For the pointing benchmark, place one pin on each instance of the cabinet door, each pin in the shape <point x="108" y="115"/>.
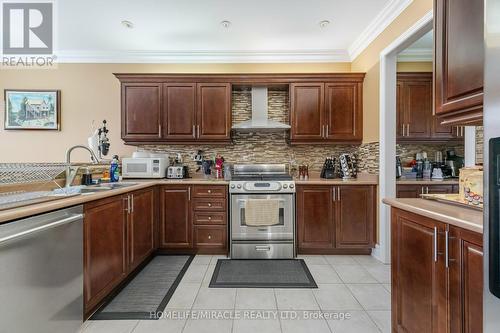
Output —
<point x="466" y="281"/>
<point x="307" y="117"/>
<point x="315" y="217"/>
<point x="141" y="115"/>
<point x="459" y="58"/>
<point x="408" y="191"/>
<point x="141" y="226"/>
<point x="179" y="111"/>
<point x="355" y="227"/>
<point x="105" y="262"/>
<point x="418" y="109"/>
<point x="176" y="217"/>
<point x="214" y="111"/>
<point x="418" y="274"/>
<point x="344" y="112"/>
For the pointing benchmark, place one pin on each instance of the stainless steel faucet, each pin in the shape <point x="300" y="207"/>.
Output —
<point x="72" y="170"/>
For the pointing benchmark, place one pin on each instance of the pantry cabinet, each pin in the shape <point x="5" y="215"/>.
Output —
<point x="437" y="279"/>
<point x="326" y="222"/>
<point x="415" y="119"/>
<point x="326" y="112"/>
<point x="459" y="61"/>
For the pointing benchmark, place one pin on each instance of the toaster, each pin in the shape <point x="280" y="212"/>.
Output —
<point x="176" y="172"/>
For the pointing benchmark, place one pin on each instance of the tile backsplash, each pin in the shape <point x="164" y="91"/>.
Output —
<point x="261" y="147"/>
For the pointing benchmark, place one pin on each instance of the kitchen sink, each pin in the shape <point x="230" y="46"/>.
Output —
<point x="103" y="187"/>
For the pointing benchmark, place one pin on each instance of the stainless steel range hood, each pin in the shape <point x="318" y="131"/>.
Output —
<point x="260" y="121"/>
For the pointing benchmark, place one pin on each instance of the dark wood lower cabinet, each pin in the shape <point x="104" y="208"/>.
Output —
<point x="414" y="191"/>
<point x="105" y="248"/>
<point x="434" y="288"/>
<point x="327" y="222"/>
<point x="176" y="217"/>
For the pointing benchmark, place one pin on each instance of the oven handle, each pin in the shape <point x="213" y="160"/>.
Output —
<point x="262" y="248"/>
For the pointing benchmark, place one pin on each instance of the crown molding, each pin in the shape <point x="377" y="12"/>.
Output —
<point x="289" y="56"/>
<point x="392" y="10"/>
<point x="415" y="55"/>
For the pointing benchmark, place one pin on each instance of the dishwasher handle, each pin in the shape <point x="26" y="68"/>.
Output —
<point x="41" y="228"/>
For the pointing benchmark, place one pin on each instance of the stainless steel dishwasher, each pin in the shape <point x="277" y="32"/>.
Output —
<point x="41" y="273"/>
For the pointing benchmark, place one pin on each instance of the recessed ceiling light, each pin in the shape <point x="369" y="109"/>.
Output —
<point x="127" y="24"/>
<point x="323" y="24"/>
<point x="225" y="24"/>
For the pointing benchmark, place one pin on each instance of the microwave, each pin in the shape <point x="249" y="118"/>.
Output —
<point x="144" y="167"/>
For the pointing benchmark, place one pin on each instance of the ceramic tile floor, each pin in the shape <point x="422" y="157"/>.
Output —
<point x="355" y="287"/>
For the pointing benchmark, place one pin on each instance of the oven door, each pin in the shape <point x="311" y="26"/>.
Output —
<point x="284" y="230"/>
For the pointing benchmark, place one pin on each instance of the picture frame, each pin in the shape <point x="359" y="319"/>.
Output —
<point x="32" y="109"/>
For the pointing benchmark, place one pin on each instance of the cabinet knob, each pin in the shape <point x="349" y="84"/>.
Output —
<point x="209" y="205"/>
<point x="209" y="237"/>
<point x="210" y="217"/>
<point x="209" y="191"/>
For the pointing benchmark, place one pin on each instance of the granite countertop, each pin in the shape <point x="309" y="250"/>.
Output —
<point x="463" y="217"/>
<point x="420" y="181"/>
<point x="362" y="179"/>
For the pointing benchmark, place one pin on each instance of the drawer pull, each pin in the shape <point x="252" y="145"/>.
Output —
<point x="262" y="248"/>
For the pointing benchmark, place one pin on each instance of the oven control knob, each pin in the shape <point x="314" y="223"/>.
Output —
<point x="285" y="186"/>
<point x="292" y="186"/>
<point x="238" y="186"/>
<point x="232" y="186"/>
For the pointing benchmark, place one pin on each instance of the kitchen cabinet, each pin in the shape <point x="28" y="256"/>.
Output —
<point x="194" y="218"/>
<point x="326" y="222"/>
<point x="326" y="112"/>
<point x="415" y="119"/>
<point x="141" y="111"/>
<point x="459" y="61"/>
<point x="175" y="201"/>
<point x="355" y="227"/>
<point x="179" y="111"/>
<point x="213" y="111"/>
<point x="141" y="226"/>
<point x="105" y="248"/>
<point x="437" y="276"/>
<point x="414" y="191"/>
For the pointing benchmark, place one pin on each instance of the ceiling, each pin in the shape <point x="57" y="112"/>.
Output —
<point x="190" y="30"/>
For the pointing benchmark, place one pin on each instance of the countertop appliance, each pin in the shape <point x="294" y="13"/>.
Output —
<point x="41" y="273"/>
<point x="144" y="167"/>
<point x="399" y="167"/>
<point x="175" y="172"/>
<point x="262" y="212"/>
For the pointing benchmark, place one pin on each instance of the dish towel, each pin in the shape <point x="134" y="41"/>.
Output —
<point x="262" y="212"/>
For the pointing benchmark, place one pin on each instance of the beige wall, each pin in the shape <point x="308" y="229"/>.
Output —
<point x="415" y="66"/>
<point x="91" y="92"/>
<point x="368" y="61"/>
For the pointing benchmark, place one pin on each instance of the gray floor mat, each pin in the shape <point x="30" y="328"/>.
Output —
<point x="288" y="273"/>
<point x="149" y="291"/>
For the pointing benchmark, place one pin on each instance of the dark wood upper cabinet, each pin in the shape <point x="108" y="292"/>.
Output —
<point x="459" y="61"/>
<point x="141" y="111"/>
<point x="175" y="213"/>
<point x="355" y="227"/>
<point x="214" y="111"/>
<point x="418" y="277"/>
<point x="326" y="112"/>
<point x="307" y="116"/>
<point x="415" y="119"/>
<point x="315" y="228"/>
<point x="344" y="114"/>
<point x="105" y="248"/>
<point x="179" y="111"/>
<point x="141" y="226"/>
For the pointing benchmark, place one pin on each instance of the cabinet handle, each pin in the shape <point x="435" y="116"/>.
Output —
<point x="132" y="203"/>
<point x="422" y="190"/>
<point x="198" y="131"/>
<point x="333" y="194"/>
<point x="194" y="131"/>
<point x="403" y="129"/>
<point x="189" y="193"/>
<point x="128" y="204"/>
<point x="338" y="193"/>
<point x="326" y="132"/>
<point x="159" y="130"/>
<point x="463" y="130"/>
<point x="427" y="189"/>
<point x="435" y="244"/>
<point x="447" y="249"/>
<point x="407" y="129"/>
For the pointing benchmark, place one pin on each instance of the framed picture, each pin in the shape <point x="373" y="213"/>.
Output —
<point x="32" y="109"/>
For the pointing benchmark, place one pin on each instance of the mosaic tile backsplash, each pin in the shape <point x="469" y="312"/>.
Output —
<point x="261" y="147"/>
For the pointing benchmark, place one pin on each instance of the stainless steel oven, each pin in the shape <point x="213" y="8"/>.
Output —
<point x="262" y="212"/>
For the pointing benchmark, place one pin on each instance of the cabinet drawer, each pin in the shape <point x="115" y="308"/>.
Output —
<point x="209" y="204"/>
<point x="210" y="236"/>
<point x="209" y="218"/>
<point x="209" y="191"/>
